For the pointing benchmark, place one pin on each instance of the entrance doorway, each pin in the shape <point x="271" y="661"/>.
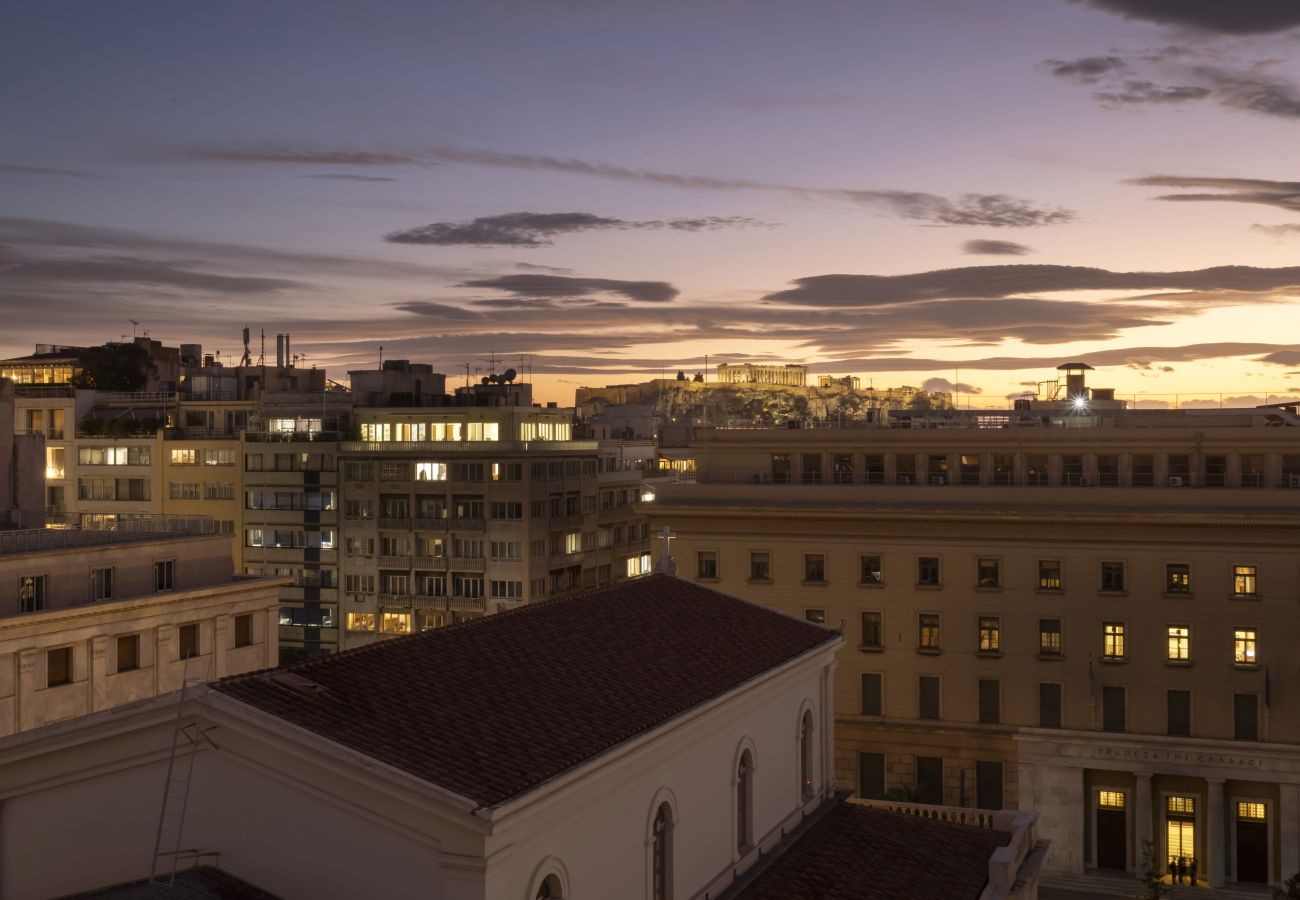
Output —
<point x="1252" y="842"/>
<point x="1180" y="838"/>
<point x="1112" y="830"/>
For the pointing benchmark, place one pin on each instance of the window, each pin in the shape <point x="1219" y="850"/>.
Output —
<point x="706" y="564"/>
<point x="990" y="634"/>
<point x="1049" y="574"/>
<point x="1112" y="576"/>
<point x="101" y="584"/>
<point x="1112" y="709"/>
<point x="987" y="573"/>
<point x="1243" y="647"/>
<point x="1178" y="578"/>
<point x="188" y="640"/>
<point x="871" y="776"/>
<point x="1049" y="705"/>
<point x="1179" y="643"/>
<point x="872" y="572"/>
<point x="1110" y="799"/>
<point x="872" y="700"/>
<point x="164" y="572"/>
<point x="781" y="468"/>
<point x="244" y="630"/>
<point x="872" y="630"/>
<point x="182" y="457"/>
<point x="927" y="570"/>
<point x="511" y="590"/>
<point x="506" y="509"/>
<point x="928" y="631"/>
<point x="1112" y="640"/>
<point x="661" y="854"/>
<point x="814" y="568"/>
<point x="1245" y="717"/>
<point x="1244" y="581"/>
<point x="760" y="566"/>
<point x="988" y="785"/>
<point x="815" y="615"/>
<point x="744" y="802"/>
<point x="31" y="592"/>
<point x="990" y="701"/>
<point x="1251" y="811"/>
<point x="128" y="652"/>
<point x="360" y="621"/>
<point x="1178" y="713"/>
<point x="928" y="697"/>
<point x="218" y="457"/>
<point x="1049" y="637"/>
<point x="58" y="666"/>
<point x="806" y="756"/>
<point x="929" y="779"/>
<point x="395" y="623"/>
<point x="188" y="490"/>
<point x="429" y="471"/>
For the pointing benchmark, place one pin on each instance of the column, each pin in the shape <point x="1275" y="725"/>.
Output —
<point x="1288" y="822"/>
<point x="1142" y="821"/>
<point x="1215" y="845"/>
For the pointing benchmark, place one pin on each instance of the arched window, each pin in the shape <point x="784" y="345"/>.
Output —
<point x="661" y="854"/>
<point x="806" y="756"/>
<point x="550" y="889"/>
<point x="745" y="802"/>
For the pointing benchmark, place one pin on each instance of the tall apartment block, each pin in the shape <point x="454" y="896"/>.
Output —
<point x="1068" y="606"/>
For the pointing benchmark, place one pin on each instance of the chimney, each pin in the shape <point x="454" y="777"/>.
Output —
<point x="279" y="351"/>
<point x="288" y="357"/>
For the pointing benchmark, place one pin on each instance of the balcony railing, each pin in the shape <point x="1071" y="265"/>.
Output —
<point x="87" y="529"/>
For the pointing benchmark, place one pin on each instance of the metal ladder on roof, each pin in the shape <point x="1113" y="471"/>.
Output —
<point x="186" y="738"/>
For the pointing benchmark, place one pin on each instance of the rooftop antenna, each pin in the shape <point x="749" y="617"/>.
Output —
<point x="247" y="358"/>
<point x="261" y="355"/>
<point x="134" y="323"/>
<point x="467" y="376"/>
<point x="381" y="357"/>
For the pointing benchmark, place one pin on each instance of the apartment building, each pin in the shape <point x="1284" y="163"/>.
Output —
<point x="93" y="618"/>
<point x="1076" y="608"/>
<point x="452" y="512"/>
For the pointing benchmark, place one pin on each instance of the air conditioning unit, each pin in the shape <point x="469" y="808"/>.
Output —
<point x="938" y="479"/>
<point x="1293" y="481"/>
<point x="904" y="479"/>
<point x="1175" y="481"/>
<point x="1085" y="481"/>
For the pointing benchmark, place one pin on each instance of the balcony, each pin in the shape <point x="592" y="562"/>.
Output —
<point x="395" y="524"/>
<point x="462" y="447"/>
<point x="429" y="524"/>
<point x="394" y="601"/>
<point x="467" y="604"/>
<point x="429" y="563"/>
<point x="464" y="564"/>
<point x="467" y="525"/>
<point x="394" y="562"/>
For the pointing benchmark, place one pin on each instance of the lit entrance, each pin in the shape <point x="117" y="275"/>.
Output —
<point x="1112" y="830"/>
<point x="1180" y="838"/>
<point x="1252" y="842"/>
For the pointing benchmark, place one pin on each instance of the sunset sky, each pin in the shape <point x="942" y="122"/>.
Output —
<point x="913" y="191"/>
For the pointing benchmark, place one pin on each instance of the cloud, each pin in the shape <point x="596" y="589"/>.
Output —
<point x="995" y="248"/>
<point x="1278" y="231"/>
<point x="943" y="385"/>
<point x="558" y="286"/>
<point x="534" y="267"/>
<point x="1224" y="16"/>
<point x="1086" y="70"/>
<point x="9" y="169"/>
<point x="1253" y="90"/>
<point x="1141" y="92"/>
<point x="1282" y="358"/>
<point x="527" y="229"/>
<point x="1002" y="282"/>
<point x="989" y="210"/>
<point x="348" y="176"/>
<point x="1280" y="194"/>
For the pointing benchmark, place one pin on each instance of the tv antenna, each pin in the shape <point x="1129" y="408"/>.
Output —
<point x="134" y="324"/>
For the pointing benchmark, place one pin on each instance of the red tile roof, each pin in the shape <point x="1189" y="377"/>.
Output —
<point x="857" y="852"/>
<point x="494" y="707"/>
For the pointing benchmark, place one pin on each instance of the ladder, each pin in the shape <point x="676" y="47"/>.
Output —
<point x="176" y="789"/>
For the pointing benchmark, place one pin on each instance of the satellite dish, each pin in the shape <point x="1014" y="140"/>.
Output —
<point x="485" y="380"/>
<point x="509" y="375"/>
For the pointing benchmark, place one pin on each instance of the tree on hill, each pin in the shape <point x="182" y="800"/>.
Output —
<point x="115" y="367"/>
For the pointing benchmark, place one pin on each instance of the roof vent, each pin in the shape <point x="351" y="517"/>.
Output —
<point x="296" y="682"/>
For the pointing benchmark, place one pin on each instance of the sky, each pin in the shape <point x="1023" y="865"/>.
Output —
<point x="955" y="194"/>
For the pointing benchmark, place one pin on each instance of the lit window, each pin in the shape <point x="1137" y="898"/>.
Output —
<point x="990" y="634"/>
<point x="1110" y="799"/>
<point x="1180" y="640"/>
<point x="1178" y="578"/>
<point x="430" y="471"/>
<point x="1112" y="640"/>
<point x="1251" y="811"/>
<point x="1243" y="646"/>
<point x="1181" y="805"/>
<point x="396" y="623"/>
<point x="1049" y="637"/>
<point x="1244" y="581"/>
<point x="361" y="621"/>
<point x="928" y="625"/>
